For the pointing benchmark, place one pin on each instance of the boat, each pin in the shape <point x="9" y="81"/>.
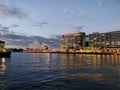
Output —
<point x="3" y="51"/>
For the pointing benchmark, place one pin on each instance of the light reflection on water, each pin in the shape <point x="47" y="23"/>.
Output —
<point x="102" y="68"/>
<point x="2" y="71"/>
<point x="95" y="61"/>
<point x="2" y="65"/>
<point x="29" y="71"/>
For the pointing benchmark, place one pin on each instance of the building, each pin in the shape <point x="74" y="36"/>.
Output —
<point x="73" y="41"/>
<point x="76" y="41"/>
<point x="94" y="39"/>
<point x="109" y="39"/>
<point x="115" y="38"/>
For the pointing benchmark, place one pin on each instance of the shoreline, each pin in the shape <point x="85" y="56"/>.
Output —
<point x="101" y="53"/>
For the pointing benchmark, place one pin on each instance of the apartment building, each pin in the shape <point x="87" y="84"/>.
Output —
<point x="109" y="39"/>
<point x="73" y="41"/>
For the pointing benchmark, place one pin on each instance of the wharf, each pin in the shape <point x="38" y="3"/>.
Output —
<point x="61" y="52"/>
<point x="82" y="53"/>
<point x="101" y="51"/>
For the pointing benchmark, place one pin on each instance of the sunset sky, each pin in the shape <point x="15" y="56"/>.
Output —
<point x="55" y="17"/>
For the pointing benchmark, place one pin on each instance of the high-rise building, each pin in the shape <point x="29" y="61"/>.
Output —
<point x="115" y="38"/>
<point x="73" y="41"/>
<point x="109" y="39"/>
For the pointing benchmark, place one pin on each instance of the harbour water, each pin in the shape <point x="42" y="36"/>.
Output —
<point x="44" y="71"/>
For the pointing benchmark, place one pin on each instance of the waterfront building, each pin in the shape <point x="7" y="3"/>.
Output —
<point x="94" y="39"/>
<point x="115" y="38"/>
<point x="73" y="41"/>
<point x="108" y="40"/>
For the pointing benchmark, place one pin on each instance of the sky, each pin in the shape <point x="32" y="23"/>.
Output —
<point x="47" y="18"/>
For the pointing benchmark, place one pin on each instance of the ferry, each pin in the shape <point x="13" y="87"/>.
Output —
<point x="3" y="51"/>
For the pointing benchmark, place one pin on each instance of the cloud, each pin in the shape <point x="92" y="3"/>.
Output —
<point x="18" y="40"/>
<point x="14" y="25"/>
<point x="53" y="36"/>
<point x="77" y="28"/>
<point x="98" y="2"/>
<point x="0" y="25"/>
<point x="7" y="9"/>
<point x="40" y="24"/>
<point x="4" y="29"/>
<point x="14" y="39"/>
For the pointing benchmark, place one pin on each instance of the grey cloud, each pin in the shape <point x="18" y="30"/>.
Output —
<point x="41" y="24"/>
<point x="23" y="40"/>
<point x="14" y="25"/>
<point x="77" y="28"/>
<point x="0" y="25"/>
<point x="53" y="36"/>
<point x="7" y="9"/>
<point x="12" y="38"/>
<point x="3" y="29"/>
<point x="15" y="39"/>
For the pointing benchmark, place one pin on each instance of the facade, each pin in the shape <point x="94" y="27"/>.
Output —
<point x="72" y="41"/>
<point x="115" y="38"/>
<point x="109" y="39"/>
<point x="94" y="39"/>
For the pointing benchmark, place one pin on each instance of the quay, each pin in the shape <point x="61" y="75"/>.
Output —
<point x="81" y="53"/>
<point x="105" y="51"/>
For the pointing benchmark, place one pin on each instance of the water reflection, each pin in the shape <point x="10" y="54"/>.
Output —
<point x="100" y="68"/>
<point x="2" y="65"/>
<point x="46" y="71"/>
<point x="94" y="61"/>
<point x="2" y="72"/>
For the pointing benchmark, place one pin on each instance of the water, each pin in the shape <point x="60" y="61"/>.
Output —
<point x="35" y="71"/>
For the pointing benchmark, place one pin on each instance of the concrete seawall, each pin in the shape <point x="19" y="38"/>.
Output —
<point x="115" y="51"/>
<point x="111" y="50"/>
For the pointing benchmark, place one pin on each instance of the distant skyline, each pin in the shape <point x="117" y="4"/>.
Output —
<point x="56" y="17"/>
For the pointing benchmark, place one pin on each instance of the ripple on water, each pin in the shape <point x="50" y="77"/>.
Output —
<point x="34" y="71"/>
